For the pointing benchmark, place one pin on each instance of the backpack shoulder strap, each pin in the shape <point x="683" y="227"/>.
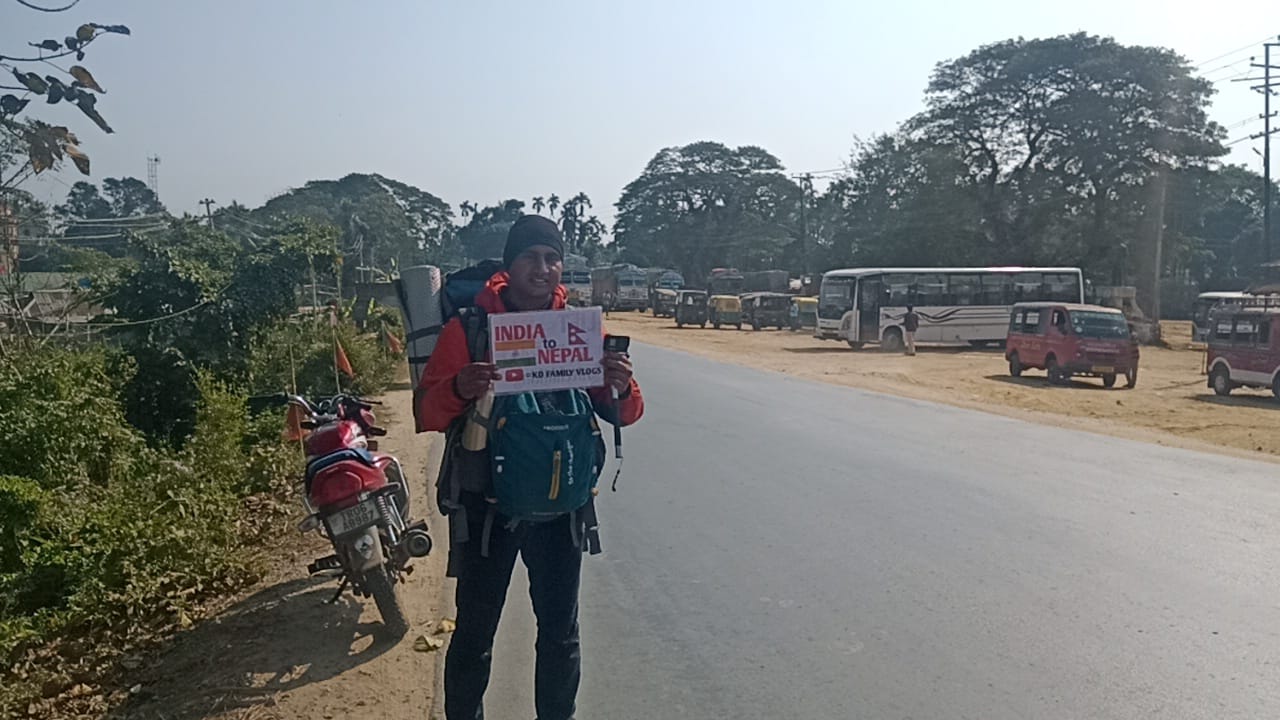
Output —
<point x="475" y="324"/>
<point x="449" y="487"/>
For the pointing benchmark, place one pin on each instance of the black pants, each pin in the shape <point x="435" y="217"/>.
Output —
<point x="554" y="563"/>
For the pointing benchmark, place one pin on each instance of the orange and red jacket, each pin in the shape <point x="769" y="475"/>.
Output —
<point x="438" y="401"/>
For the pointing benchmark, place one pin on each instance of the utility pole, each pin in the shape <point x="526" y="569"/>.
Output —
<point x="1266" y="88"/>
<point x="208" y="209"/>
<point x="806" y="189"/>
<point x="1266" y="149"/>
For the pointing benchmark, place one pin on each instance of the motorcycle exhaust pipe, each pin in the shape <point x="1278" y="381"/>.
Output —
<point x="417" y="542"/>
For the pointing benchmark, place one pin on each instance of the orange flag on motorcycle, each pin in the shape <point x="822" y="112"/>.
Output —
<point x="293" y="425"/>
<point x="393" y="344"/>
<point x="340" y="360"/>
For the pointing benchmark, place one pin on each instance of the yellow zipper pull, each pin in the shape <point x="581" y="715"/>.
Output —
<point x="555" y="476"/>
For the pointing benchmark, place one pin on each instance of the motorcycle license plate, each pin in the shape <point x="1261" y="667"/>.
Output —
<point x="353" y="518"/>
<point x="1104" y="369"/>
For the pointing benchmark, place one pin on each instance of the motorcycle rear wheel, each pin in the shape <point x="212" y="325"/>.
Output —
<point x="386" y="596"/>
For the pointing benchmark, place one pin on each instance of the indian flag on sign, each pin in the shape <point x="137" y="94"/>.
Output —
<point x="512" y="345"/>
<point x="504" y="363"/>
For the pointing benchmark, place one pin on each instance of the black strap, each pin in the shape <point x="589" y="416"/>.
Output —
<point x="591" y="525"/>
<point x="474" y="324"/>
<point x="488" y="531"/>
<point x="423" y="332"/>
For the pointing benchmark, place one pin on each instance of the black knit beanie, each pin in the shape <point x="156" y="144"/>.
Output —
<point x="528" y="231"/>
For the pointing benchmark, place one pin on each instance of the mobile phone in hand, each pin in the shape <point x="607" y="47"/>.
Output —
<point x="616" y="343"/>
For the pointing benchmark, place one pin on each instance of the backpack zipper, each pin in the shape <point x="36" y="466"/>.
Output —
<point x="555" y="476"/>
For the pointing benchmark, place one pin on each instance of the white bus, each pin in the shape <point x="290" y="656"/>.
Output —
<point x="1209" y="301"/>
<point x="955" y="305"/>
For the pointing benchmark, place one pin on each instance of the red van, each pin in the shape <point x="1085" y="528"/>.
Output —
<point x="1243" y="351"/>
<point x="1065" y="340"/>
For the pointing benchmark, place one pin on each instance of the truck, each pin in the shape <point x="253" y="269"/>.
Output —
<point x="725" y="281"/>
<point x="663" y="278"/>
<point x="773" y="281"/>
<point x="620" y="287"/>
<point x="663" y="285"/>
<point x="576" y="278"/>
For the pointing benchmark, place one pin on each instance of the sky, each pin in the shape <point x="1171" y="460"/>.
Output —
<point x="483" y="100"/>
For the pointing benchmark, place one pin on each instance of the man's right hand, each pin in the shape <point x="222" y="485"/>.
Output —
<point x="475" y="380"/>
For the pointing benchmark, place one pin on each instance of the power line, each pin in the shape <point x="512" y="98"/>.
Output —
<point x="131" y="218"/>
<point x="1228" y="66"/>
<point x="247" y="221"/>
<point x="170" y="316"/>
<point x="1238" y="77"/>
<point x="90" y="238"/>
<point x="49" y="10"/>
<point x="1250" y="46"/>
<point x="1242" y="123"/>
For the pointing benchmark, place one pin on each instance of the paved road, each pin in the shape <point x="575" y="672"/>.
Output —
<point x="782" y="549"/>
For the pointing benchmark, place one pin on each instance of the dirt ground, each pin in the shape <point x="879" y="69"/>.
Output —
<point x="1171" y="405"/>
<point x="282" y="652"/>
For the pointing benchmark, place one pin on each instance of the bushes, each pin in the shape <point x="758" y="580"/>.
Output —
<point x="59" y="418"/>
<point x="303" y="348"/>
<point x="105" y="537"/>
<point x="133" y="484"/>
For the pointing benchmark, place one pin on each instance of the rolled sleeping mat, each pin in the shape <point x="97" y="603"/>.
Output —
<point x="419" y="289"/>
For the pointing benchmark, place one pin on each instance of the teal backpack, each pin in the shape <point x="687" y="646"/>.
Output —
<point x="543" y="458"/>
<point x="546" y="452"/>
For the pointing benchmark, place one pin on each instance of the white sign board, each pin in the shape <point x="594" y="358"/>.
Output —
<point x="548" y="350"/>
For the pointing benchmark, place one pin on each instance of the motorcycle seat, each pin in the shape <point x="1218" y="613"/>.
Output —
<point x="346" y="454"/>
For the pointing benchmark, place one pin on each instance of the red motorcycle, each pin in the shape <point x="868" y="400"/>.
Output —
<point x="358" y="499"/>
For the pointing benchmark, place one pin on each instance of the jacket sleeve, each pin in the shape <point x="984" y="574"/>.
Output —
<point x="629" y="409"/>
<point x="438" y="401"/>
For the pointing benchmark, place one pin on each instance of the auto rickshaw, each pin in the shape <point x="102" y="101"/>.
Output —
<point x="804" y="313"/>
<point x="691" y="308"/>
<point x="725" y="310"/>
<point x="664" y="302"/>
<point x="766" y="309"/>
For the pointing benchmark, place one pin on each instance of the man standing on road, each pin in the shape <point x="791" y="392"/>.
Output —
<point x="552" y="550"/>
<point x="910" y="324"/>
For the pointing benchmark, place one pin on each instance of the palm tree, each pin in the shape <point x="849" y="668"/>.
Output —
<point x="553" y="202"/>
<point x="467" y="209"/>
<point x="539" y="204"/>
<point x="581" y="199"/>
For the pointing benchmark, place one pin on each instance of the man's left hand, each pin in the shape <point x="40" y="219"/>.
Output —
<point x="617" y="371"/>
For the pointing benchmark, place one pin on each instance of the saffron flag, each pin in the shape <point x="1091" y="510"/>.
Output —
<point x="292" y="424"/>
<point x="340" y="360"/>
<point x="393" y="344"/>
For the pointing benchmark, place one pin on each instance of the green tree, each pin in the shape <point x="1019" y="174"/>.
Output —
<point x="84" y="202"/>
<point x="1052" y="129"/>
<point x="126" y="199"/>
<point x="485" y="233"/>
<point x="703" y="205"/>
<point x="383" y="224"/>
<point x="582" y="235"/>
<point x="130" y="197"/>
<point x="900" y="206"/>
